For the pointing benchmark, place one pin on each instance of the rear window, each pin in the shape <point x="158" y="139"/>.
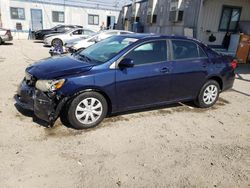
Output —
<point x="183" y="49"/>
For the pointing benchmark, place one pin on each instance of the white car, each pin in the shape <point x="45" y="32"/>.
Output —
<point x="84" y="43"/>
<point x="61" y="39"/>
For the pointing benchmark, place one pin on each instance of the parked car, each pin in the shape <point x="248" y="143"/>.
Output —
<point x="71" y="34"/>
<point x="84" y="43"/>
<point x="122" y="73"/>
<point x="5" y="35"/>
<point x="39" y="35"/>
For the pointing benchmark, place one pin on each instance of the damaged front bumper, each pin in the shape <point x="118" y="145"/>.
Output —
<point x="45" y="106"/>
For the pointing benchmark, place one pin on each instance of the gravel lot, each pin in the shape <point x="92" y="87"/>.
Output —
<point x="175" y="146"/>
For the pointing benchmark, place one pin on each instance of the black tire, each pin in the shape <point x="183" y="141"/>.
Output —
<point x="71" y="115"/>
<point x="56" y="41"/>
<point x="1" y="41"/>
<point x="201" y="101"/>
<point x="64" y="115"/>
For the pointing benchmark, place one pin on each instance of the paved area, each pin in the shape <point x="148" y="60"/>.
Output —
<point x="175" y="146"/>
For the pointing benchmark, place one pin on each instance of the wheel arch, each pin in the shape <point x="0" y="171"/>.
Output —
<point x="104" y="94"/>
<point x="217" y="79"/>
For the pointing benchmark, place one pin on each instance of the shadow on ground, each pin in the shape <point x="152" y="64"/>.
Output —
<point x="6" y="44"/>
<point x="162" y="110"/>
<point x="29" y="113"/>
<point x="38" y="41"/>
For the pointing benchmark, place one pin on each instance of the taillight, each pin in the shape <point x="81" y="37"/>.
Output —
<point x="234" y="64"/>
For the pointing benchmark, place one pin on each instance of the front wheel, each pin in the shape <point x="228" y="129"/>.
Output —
<point x="87" y="110"/>
<point x="208" y="95"/>
<point x="56" y="42"/>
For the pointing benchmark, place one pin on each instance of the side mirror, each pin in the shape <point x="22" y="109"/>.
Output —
<point x="126" y="63"/>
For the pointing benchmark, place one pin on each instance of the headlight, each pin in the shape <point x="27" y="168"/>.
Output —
<point x="49" y="85"/>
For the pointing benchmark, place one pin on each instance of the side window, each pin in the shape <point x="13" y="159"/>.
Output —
<point x="183" y="49"/>
<point x="77" y="32"/>
<point x="201" y="53"/>
<point x="151" y="52"/>
<point x="62" y="29"/>
<point x="87" y="32"/>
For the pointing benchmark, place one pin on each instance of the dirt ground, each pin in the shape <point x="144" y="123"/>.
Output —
<point x="175" y="146"/>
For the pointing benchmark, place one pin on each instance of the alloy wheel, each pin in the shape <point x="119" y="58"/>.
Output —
<point x="89" y="110"/>
<point x="210" y="94"/>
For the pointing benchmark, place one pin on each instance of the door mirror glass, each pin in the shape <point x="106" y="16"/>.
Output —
<point x="126" y="63"/>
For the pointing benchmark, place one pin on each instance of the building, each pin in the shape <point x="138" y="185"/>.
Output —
<point x="23" y="15"/>
<point x="206" y="20"/>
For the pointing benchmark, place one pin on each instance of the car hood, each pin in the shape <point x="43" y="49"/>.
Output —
<point x="58" y="66"/>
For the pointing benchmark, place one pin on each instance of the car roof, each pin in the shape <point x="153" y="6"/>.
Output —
<point x="116" y="30"/>
<point x="154" y="36"/>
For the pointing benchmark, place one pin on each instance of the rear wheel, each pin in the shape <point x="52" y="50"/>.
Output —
<point x="208" y="95"/>
<point x="87" y="110"/>
<point x="57" y="42"/>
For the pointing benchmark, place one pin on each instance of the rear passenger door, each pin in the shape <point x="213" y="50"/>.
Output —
<point x="189" y="69"/>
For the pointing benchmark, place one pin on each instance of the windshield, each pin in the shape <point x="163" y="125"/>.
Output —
<point x="107" y="49"/>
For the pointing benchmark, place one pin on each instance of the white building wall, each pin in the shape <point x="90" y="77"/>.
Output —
<point x="72" y="15"/>
<point x="211" y="14"/>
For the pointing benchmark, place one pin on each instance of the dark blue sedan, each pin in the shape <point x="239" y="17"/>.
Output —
<point x="124" y="73"/>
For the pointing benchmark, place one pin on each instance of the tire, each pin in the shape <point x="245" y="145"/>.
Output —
<point x="56" y="41"/>
<point x="1" y="41"/>
<point x="208" y="94"/>
<point x="87" y="110"/>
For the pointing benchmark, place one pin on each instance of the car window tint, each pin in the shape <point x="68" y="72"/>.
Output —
<point x="87" y="32"/>
<point x="62" y="29"/>
<point x="202" y="53"/>
<point x="77" y="32"/>
<point x="149" y="53"/>
<point x="183" y="49"/>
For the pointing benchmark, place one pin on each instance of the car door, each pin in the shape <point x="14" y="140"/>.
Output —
<point x="148" y="81"/>
<point x="189" y="69"/>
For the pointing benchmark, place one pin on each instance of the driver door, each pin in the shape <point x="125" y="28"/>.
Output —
<point x="148" y="81"/>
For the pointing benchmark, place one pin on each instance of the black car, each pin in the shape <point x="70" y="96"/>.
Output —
<point x="39" y="35"/>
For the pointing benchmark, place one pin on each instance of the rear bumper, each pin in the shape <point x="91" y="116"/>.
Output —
<point x="6" y="38"/>
<point x="46" y="42"/>
<point x="38" y="36"/>
<point x="44" y="107"/>
<point x="229" y="81"/>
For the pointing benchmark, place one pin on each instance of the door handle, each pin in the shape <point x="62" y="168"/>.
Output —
<point x="164" y="70"/>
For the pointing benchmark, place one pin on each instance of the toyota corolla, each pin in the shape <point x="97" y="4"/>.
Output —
<point x="124" y="73"/>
